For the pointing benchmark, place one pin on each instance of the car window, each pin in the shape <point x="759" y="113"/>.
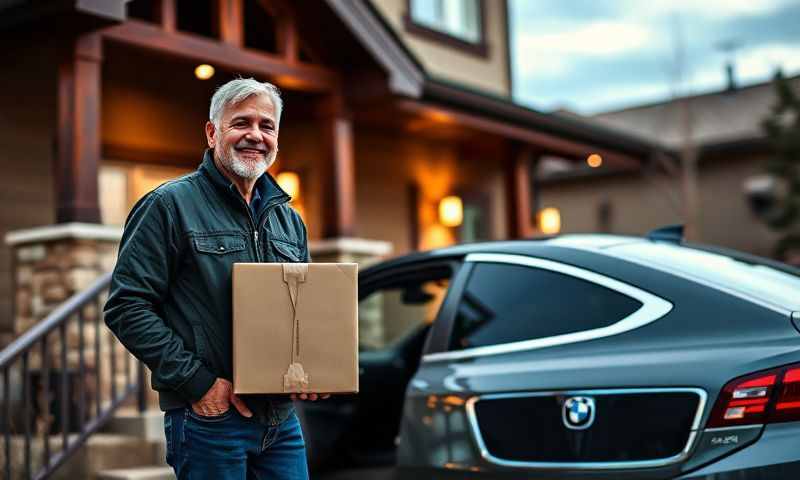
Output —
<point x="757" y="279"/>
<point x="505" y="303"/>
<point x="389" y="313"/>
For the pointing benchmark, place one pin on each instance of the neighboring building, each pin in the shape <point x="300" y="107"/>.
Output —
<point x="391" y="105"/>
<point x="732" y="151"/>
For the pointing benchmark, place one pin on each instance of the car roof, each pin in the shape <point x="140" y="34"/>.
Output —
<point x="730" y="270"/>
<point x="529" y="246"/>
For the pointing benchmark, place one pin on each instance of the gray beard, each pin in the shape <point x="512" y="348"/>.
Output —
<point x="247" y="170"/>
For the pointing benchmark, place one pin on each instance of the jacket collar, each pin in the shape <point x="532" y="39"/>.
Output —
<point x="266" y="184"/>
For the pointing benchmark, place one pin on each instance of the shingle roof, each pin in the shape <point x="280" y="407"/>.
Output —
<point x="718" y="117"/>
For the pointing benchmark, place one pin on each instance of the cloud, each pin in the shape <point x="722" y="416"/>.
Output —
<point x="716" y="9"/>
<point x="602" y="54"/>
<point x="555" y="52"/>
<point x="752" y="65"/>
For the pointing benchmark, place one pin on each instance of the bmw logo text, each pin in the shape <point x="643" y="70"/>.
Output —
<point x="578" y="413"/>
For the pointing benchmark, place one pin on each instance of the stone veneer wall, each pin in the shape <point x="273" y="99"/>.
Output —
<point x="46" y="273"/>
<point x="49" y="265"/>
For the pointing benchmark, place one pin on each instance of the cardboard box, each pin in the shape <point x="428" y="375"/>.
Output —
<point x="295" y="327"/>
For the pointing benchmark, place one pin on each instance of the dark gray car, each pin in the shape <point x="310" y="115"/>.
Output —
<point x="608" y="357"/>
<point x="584" y="356"/>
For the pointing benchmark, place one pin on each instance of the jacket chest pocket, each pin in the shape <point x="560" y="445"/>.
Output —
<point x="285" y="251"/>
<point x="219" y="243"/>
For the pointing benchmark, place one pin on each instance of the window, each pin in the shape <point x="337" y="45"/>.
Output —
<point x="459" y="19"/>
<point x="390" y="313"/>
<point x="750" y="275"/>
<point x="122" y="184"/>
<point x="505" y="303"/>
<point x="476" y="224"/>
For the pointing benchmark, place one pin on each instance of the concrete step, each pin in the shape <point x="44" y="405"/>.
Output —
<point x="102" y="451"/>
<point x="141" y="473"/>
<point x="106" y="451"/>
<point x="147" y="425"/>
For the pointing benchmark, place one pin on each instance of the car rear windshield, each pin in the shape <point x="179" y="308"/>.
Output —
<point x="750" y="275"/>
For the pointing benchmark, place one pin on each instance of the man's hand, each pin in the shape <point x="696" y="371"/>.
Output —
<point x="218" y="400"/>
<point x="311" y="396"/>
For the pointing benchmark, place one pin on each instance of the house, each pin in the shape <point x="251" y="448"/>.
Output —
<point x="398" y="134"/>
<point x="726" y="134"/>
<point x="391" y="106"/>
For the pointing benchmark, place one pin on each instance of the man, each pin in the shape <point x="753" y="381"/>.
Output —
<point x="170" y="297"/>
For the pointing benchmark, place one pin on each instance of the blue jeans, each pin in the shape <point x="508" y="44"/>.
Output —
<point x="231" y="446"/>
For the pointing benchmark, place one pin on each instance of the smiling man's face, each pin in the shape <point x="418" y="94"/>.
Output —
<point x="246" y="142"/>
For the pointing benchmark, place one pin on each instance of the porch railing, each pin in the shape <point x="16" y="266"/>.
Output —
<point x="57" y="390"/>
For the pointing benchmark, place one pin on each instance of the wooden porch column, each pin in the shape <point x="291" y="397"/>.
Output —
<point x="166" y="14"/>
<point x="338" y="177"/>
<point x="520" y="218"/>
<point x="230" y="19"/>
<point x="79" y="131"/>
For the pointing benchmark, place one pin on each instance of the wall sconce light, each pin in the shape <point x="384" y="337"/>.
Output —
<point x="594" y="160"/>
<point x="549" y="221"/>
<point x="290" y="183"/>
<point x="451" y="211"/>
<point x="204" y="71"/>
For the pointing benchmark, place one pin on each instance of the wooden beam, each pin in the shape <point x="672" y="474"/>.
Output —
<point x="230" y="18"/>
<point x="520" y="223"/>
<point x="291" y="76"/>
<point x="338" y="179"/>
<point x="126" y="153"/>
<point x="79" y="131"/>
<point x="166" y="14"/>
<point x="288" y="40"/>
<point x="289" y="18"/>
<point x="537" y="139"/>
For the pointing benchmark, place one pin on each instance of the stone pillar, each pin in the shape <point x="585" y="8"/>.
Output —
<point x="49" y="265"/>
<point x="54" y="262"/>
<point x="345" y="249"/>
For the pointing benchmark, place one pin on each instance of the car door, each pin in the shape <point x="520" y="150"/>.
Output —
<point x="396" y="308"/>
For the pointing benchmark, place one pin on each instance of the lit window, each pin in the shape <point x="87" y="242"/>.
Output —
<point x="122" y="184"/>
<point x="459" y="18"/>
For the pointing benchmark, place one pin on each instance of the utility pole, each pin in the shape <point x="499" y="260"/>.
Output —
<point x="688" y="150"/>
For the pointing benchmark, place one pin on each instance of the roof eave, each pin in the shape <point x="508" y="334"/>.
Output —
<point x="78" y="16"/>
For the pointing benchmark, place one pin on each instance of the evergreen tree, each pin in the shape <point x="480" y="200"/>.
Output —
<point x="782" y="128"/>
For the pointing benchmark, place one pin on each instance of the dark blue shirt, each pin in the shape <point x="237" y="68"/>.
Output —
<point x="255" y="198"/>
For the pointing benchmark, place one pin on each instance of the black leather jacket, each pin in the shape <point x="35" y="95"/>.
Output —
<point x="170" y="297"/>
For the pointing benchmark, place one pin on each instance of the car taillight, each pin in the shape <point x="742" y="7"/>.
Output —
<point x="763" y="397"/>
<point x="787" y="407"/>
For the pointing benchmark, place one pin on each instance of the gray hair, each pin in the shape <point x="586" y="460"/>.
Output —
<point x="239" y="90"/>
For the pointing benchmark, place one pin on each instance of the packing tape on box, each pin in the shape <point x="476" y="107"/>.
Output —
<point x="295" y="379"/>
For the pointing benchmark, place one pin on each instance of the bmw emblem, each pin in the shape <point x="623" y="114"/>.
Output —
<point x="578" y="413"/>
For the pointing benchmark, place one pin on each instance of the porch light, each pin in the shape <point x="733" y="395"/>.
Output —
<point x="204" y="71"/>
<point x="290" y="183"/>
<point x="451" y="211"/>
<point x="594" y="160"/>
<point x="550" y="221"/>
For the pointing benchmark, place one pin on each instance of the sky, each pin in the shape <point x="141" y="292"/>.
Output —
<point x="590" y="56"/>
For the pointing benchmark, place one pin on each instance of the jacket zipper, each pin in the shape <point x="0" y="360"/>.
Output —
<point x="256" y="228"/>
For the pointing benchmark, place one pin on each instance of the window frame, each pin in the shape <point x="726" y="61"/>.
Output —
<point x="653" y="308"/>
<point x="479" y="48"/>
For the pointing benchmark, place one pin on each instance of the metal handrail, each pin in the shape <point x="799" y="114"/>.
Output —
<point x="88" y="422"/>
<point x="52" y="321"/>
